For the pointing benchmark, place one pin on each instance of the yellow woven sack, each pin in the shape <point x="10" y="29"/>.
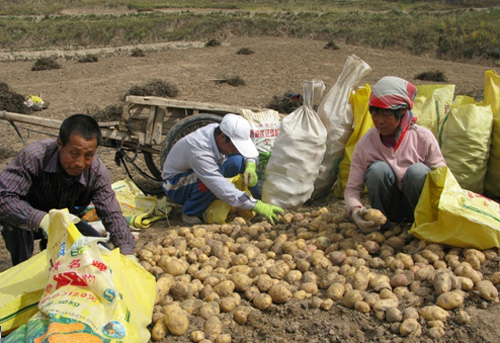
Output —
<point x="139" y="209"/>
<point x="218" y="211"/>
<point x="465" y="137"/>
<point x="448" y="214"/>
<point x="492" y="98"/>
<point x="430" y="103"/>
<point x="359" y="100"/>
<point x="21" y="287"/>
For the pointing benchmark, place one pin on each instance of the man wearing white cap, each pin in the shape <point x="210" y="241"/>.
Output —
<point x="196" y="169"/>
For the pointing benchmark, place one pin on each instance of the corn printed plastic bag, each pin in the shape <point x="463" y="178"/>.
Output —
<point x="81" y="301"/>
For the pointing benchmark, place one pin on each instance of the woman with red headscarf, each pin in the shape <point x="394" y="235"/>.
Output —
<point x="392" y="158"/>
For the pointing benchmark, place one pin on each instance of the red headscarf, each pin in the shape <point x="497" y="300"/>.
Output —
<point x="394" y="93"/>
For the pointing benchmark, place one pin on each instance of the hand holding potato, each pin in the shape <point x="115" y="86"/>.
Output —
<point x="365" y="220"/>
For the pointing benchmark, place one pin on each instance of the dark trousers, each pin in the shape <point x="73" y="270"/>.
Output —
<point x="20" y="242"/>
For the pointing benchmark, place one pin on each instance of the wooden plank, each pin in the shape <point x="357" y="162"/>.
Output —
<point x="28" y="119"/>
<point x="200" y="106"/>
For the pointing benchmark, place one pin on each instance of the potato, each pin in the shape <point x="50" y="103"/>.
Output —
<point x="465" y="269"/>
<point x="393" y="315"/>
<point x="225" y="288"/>
<point x="209" y="309"/>
<point x="262" y="301"/>
<point x="264" y="282"/>
<point x="410" y="326"/>
<point x="310" y="287"/>
<point x="175" y="267"/>
<point x="279" y="270"/>
<point x="433" y="312"/>
<point x="451" y="300"/>
<point x="442" y="282"/>
<point x="410" y="312"/>
<point x="464" y="283"/>
<point x="163" y="285"/>
<point x="359" y="281"/>
<point x="224" y="338"/>
<point x="241" y="281"/>
<point x="227" y="304"/>
<point x="197" y="336"/>
<point x="159" y="331"/>
<point x="385" y="304"/>
<point x="327" y="304"/>
<point x="191" y="305"/>
<point x="350" y="297"/>
<point x="213" y="327"/>
<point x="241" y="314"/>
<point x="280" y="293"/>
<point x="335" y="291"/>
<point x="361" y="306"/>
<point x="372" y="214"/>
<point x="181" y="291"/>
<point x="176" y="320"/>
<point x="251" y="292"/>
<point x="487" y="290"/>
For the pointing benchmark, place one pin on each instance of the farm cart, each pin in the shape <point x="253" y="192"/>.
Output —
<point x="149" y="126"/>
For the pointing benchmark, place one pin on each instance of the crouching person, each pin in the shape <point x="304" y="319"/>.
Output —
<point x="393" y="158"/>
<point x="57" y="174"/>
<point x="195" y="171"/>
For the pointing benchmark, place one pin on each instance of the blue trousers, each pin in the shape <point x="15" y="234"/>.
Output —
<point x="188" y="190"/>
<point x="384" y="194"/>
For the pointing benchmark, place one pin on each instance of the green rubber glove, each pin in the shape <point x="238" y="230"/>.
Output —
<point x="250" y="176"/>
<point x="44" y="226"/>
<point x="270" y="211"/>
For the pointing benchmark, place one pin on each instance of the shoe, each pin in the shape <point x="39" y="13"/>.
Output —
<point x="190" y="220"/>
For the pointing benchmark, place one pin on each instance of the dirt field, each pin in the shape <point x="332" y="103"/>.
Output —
<point x="278" y="65"/>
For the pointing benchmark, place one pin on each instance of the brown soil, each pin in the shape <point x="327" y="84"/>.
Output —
<point x="278" y="65"/>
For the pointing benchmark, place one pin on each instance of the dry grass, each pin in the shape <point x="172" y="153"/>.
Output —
<point x="212" y="43"/>
<point x="234" y="81"/>
<point x="286" y="103"/>
<point x="331" y="45"/>
<point x="109" y="113"/>
<point x="433" y="75"/>
<point x="11" y="101"/>
<point x="89" y="58"/>
<point x="155" y="88"/>
<point x="137" y="52"/>
<point x="245" y="51"/>
<point x="45" y="63"/>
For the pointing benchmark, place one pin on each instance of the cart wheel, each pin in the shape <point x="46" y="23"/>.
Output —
<point x="179" y="130"/>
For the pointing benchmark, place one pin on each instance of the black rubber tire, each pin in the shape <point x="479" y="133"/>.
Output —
<point x="179" y="130"/>
<point x="151" y="164"/>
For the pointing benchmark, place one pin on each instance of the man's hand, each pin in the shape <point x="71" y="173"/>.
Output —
<point x="270" y="211"/>
<point x="365" y="226"/>
<point x="250" y="176"/>
<point x="44" y="226"/>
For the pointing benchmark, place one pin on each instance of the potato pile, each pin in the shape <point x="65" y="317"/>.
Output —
<point x="206" y="271"/>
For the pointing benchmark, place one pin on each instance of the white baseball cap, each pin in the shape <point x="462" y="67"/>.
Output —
<point x="238" y="129"/>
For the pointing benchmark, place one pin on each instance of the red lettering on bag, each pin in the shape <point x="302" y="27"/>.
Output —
<point x="68" y="278"/>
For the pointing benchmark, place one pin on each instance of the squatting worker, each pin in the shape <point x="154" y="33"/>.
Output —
<point x="57" y="174"/>
<point x="196" y="169"/>
<point x="392" y="158"/>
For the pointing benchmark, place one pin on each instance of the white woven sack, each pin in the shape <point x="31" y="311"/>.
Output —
<point x="297" y="154"/>
<point x="336" y="114"/>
